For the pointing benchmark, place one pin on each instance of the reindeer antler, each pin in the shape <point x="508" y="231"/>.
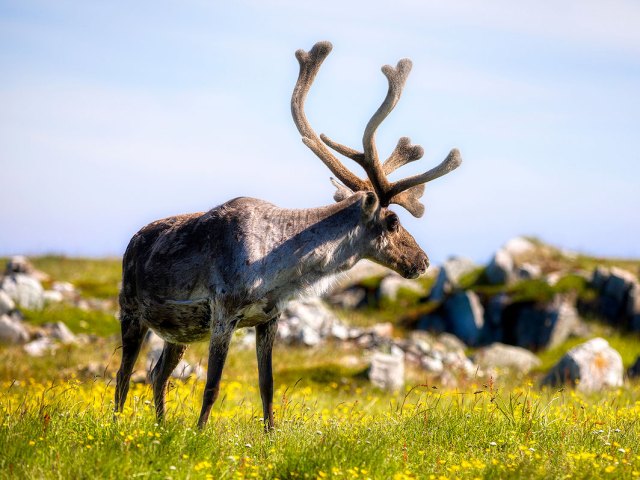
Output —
<point x="309" y="65"/>
<point x="406" y="192"/>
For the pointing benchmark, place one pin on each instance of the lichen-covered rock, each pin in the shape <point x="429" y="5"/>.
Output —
<point x="506" y="357"/>
<point x="590" y="366"/>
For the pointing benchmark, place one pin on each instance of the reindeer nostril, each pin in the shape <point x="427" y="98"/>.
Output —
<point x="425" y="262"/>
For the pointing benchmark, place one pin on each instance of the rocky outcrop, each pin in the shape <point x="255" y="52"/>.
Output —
<point x="308" y="321"/>
<point x="449" y="276"/>
<point x="618" y="293"/>
<point x="500" y="269"/>
<point x="464" y="316"/>
<point x="536" y="326"/>
<point x="590" y="367"/>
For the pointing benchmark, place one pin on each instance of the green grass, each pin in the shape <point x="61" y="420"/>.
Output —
<point x="78" y="320"/>
<point x="94" y="277"/>
<point x="62" y="428"/>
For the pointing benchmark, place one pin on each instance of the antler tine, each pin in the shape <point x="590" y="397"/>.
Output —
<point x="310" y="63"/>
<point x="348" y="152"/>
<point x="449" y="164"/>
<point x="401" y="155"/>
<point x="396" y="78"/>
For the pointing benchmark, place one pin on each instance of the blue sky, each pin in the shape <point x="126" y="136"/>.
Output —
<point x="114" y="114"/>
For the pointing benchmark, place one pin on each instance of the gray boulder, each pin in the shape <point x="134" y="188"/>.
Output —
<point x="529" y="271"/>
<point x="599" y="277"/>
<point x="59" y="331"/>
<point x="442" y="355"/>
<point x="25" y="290"/>
<point x="18" y="264"/>
<point x="465" y="316"/>
<point x="387" y="370"/>
<point x="457" y="267"/>
<point x="590" y="367"/>
<point x="507" y="357"/>
<point x="616" y="287"/>
<point x="449" y="276"/>
<point x="52" y="296"/>
<point x="12" y="330"/>
<point x="536" y="326"/>
<point x="500" y="269"/>
<point x="518" y="246"/>
<point x="7" y="305"/>
<point x="308" y="321"/>
<point x="633" y="307"/>
<point x="441" y="287"/>
<point x="493" y="326"/>
<point x="432" y="322"/>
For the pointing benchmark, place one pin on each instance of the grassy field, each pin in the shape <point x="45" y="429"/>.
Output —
<point x="57" y="423"/>
<point x="56" y="417"/>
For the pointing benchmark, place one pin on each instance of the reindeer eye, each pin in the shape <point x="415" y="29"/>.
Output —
<point x="393" y="223"/>
<point x="370" y="199"/>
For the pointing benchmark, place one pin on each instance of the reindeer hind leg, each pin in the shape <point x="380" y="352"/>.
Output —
<point x="171" y="355"/>
<point x="132" y="336"/>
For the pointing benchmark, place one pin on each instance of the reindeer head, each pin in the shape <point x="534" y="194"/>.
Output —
<point x="388" y="243"/>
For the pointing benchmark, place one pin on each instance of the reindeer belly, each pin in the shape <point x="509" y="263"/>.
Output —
<point x="255" y="314"/>
<point x="179" y="321"/>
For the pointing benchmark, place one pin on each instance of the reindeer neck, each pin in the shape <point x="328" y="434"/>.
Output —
<point x="298" y="248"/>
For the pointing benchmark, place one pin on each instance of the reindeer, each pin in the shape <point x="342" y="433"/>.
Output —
<point x="203" y="275"/>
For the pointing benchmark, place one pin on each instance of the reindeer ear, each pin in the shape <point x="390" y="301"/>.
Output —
<point x="342" y="192"/>
<point x="370" y="205"/>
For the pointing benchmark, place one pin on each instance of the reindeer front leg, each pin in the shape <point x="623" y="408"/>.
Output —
<point x="221" y="333"/>
<point x="265" y="335"/>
